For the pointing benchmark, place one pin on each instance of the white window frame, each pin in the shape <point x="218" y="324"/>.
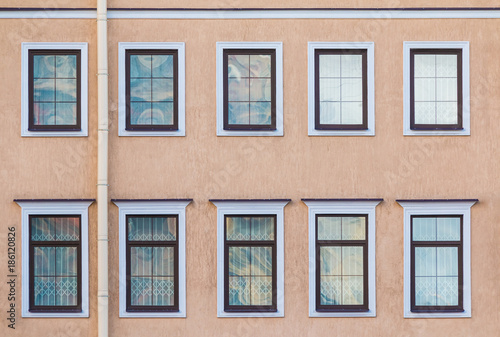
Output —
<point x="343" y="206"/>
<point x="464" y="45"/>
<point x="26" y="47"/>
<point x="370" y="73"/>
<point x="249" y="207"/>
<point x="152" y="207"/>
<point x="438" y="207"/>
<point x="54" y="207"/>
<point x="181" y="88"/>
<point x="278" y="47"/>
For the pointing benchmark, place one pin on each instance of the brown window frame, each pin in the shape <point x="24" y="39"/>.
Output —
<point x="249" y="127"/>
<point x="33" y="244"/>
<point x="332" y="243"/>
<point x="130" y="244"/>
<point x="317" y="106"/>
<point x="232" y="243"/>
<point x="31" y="91"/>
<point x="437" y="51"/>
<point x="152" y="127"/>
<point x="459" y="245"/>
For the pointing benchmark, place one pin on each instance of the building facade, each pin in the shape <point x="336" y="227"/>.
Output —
<point x="299" y="169"/>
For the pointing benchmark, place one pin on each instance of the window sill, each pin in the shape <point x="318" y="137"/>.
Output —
<point x="366" y="313"/>
<point x="155" y="133"/>
<point x="144" y="314"/>
<point x="441" y="314"/>
<point x="461" y="132"/>
<point x="249" y="133"/>
<point x="65" y="133"/>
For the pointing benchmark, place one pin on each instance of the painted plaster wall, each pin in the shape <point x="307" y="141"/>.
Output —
<point x="202" y="166"/>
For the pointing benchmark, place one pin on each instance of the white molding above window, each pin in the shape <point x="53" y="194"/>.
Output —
<point x="26" y="47"/>
<point x="181" y="86"/>
<point x="54" y="207"/>
<point x="278" y="47"/>
<point x="342" y="206"/>
<point x="249" y="207"/>
<point x="370" y="73"/>
<point x="145" y="207"/>
<point x="438" y="207"/>
<point x="464" y="45"/>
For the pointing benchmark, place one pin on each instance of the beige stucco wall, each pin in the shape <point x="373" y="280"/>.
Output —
<point x="202" y="166"/>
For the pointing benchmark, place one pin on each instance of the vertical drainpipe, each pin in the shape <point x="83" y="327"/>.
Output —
<point x="102" y="169"/>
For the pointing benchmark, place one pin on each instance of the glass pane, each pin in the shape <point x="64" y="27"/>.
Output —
<point x="352" y="261"/>
<point x="330" y="260"/>
<point x="329" y="89"/>
<point x="140" y="113"/>
<point x="140" y="66"/>
<point x="447" y="261"/>
<point x="260" y="65"/>
<point x="43" y="113"/>
<point x="425" y="261"/>
<point x="162" y="90"/>
<point x="261" y="261"/>
<point x="446" y="89"/>
<point x="352" y="287"/>
<point x="44" y="90"/>
<point x="66" y="66"/>
<point x="261" y="290"/>
<point x="140" y="89"/>
<point x="425" y="291"/>
<point x="448" y="229"/>
<point x="329" y="113"/>
<point x="239" y="89"/>
<point x="66" y="113"/>
<point x="44" y="290"/>
<point x="239" y="113"/>
<point x="42" y="229"/>
<point x="162" y="114"/>
<point x="141" y="261"/>
<point x="66" y="261"/>
<point x="329" y="66"/>
<point x="43" y="66"/>
<point x="65" y="90"/>
<point x="55" y="229"/>
<point x="329" y="228"/>
<point x="260" y="90"/>
<point x="352" y="113"/>
<point x="425" y="113"/>
<point x="239" y="290"/>
<point x="238" y="66"/>
<point x="351" y="65"/>
<point x="424" y="229"/>
<point x="139" y="229"/>
<point x="262" y="228"/>
<point x="446" y="65"/>
<point x="163" y="291"/>
<point x="352" y="90"/>
<point x="425" y="65"/>
<point x="353" y="228"/>
<point x="141" y="291"/>
<point x="447" y="291"/>
<point x="164" y="228"/>
<point x="163" y="261"/>
<point x="447" y="112"/>
<point x="331" y="290"/>
<point x="239" y="261"/>
<point x="238" y="228"/>
<point x="425" y="89"/>
<point x="44" y="261"/>
<point x="163" y="65"/>
<point x="260" y="113"/>
<point x="66" y="291"/>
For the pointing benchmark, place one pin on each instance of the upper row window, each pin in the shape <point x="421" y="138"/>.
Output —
<point x="341" y="88"/>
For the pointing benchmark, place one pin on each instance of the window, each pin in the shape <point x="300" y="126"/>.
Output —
<point x="249" y="89"/>
<point x="55" y="258"/>
<point x="437" y="258"/>
<point x="342" y="257"/>
<point x="250" y="258"/>
<point x="437" y="88"/>
<point x="54" y="89"/>
<point x="152" y="257"/>
<point x="151" y="89"/>
<point x="341" y="89"/>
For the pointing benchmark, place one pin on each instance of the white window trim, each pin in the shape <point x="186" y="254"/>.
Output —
<point x="143" y="207"/>
<point x="454" y="207"/>
<point x="181" y="87"/>
<point x="271" y="207"/>
<point x="370" y="73"/>
<point x="362" y="207"/>
<point x="278" y="46"/>
<point x="70" y="207"/>
<point x="464" y="45"/>
<point x="26" y="47"/>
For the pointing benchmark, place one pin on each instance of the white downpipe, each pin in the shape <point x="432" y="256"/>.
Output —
<point x="102" y="169"/>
